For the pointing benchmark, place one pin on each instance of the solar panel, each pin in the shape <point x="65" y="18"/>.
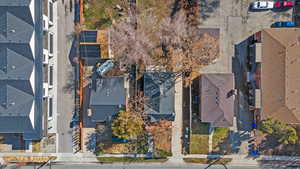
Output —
<point x="88" y="36"/>
<point x="90" y="51"/>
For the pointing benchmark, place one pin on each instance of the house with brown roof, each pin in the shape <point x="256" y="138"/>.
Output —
<point x="275" y="74"/>
<point x="217" y="99"/>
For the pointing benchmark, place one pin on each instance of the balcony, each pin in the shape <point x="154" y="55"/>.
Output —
<point x="45" y="113"/>
<point x="51" y="14"/>
<point x="45" y="41"/>
<point x="45" y="7"/>
<point x="51" y="43"/>
<point x="51" y="76"/>
<point x="45" y="74"/>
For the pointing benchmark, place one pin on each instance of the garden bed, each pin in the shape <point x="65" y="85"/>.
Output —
<point x="207" y="160"/>
<point x="131" y="160"/>
<point x="162" y="138"/>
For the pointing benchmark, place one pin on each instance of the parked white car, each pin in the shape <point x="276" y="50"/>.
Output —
<point x="261" y="5"/>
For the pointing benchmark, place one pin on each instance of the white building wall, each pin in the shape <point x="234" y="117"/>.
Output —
<point x="52" y="125"/>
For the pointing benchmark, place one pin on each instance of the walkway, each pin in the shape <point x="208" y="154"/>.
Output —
<point x="177" y="124"/>
<point x="210" y="139"/>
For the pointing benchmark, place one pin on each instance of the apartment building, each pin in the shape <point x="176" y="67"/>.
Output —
<point x="21" y="86"/>
<point x="50" y="64"/>
<point x="273" y="76"/>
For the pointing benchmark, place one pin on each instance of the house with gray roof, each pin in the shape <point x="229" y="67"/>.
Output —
<point x="217" y="99"/>
<point x="108" y="97"/>
<point x="159" y="93"/>
<point x="21" y="65"/>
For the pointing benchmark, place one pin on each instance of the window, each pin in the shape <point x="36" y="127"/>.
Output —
<point x="50" y="107"/>
<point x="51" y="75"/>
<point x="51" y="43"/>
<point x="44" y="57"/>
<point x="51" y="11"/>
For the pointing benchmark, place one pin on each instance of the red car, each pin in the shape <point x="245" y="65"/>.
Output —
<point x="284" y="4"/>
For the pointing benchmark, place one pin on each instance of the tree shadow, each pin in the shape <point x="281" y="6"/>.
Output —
<point x="279" y="164"/>
<point x="91" y="142"/>
<point x="69" y="86"/>
<point x="73" y="58"/>
<point x="97" y="141"/>
<point x="176" y="8"/>
<point x="208" y="7"/>
<point x="224" y="146"/>
<point x="270" y="146"/>
<point x="237" y="139"/>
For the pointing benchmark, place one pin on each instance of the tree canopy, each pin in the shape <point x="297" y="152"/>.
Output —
<point x="285" y="134"/>
<point x="171" y="44"/>
<point x="127" y="125"/>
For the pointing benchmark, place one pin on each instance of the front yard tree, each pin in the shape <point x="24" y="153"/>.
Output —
<point x="285" y="134"/>
<point x="127" y="125"/>
<point x="266" y="126"/>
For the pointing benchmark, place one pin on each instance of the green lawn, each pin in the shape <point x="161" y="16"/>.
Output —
<point x="221" y="142"/>
<point x="207" y="160"/>
<point x="131" y="160"/>
<point x="199" y="138"/>
<point x="36" y="146"/>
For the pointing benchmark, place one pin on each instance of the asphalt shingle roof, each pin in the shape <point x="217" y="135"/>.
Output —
<point x="279" y="73"/>
<point x="107" y="97"/>
<point x="217" y="99"/>
<point x="159" y="92"/>
<point x="20" y="71"/>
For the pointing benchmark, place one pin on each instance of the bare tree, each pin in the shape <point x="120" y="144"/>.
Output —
<point x="185" y="48"/>
<point x="176" y="45"/>
<point x="130" y="45"/>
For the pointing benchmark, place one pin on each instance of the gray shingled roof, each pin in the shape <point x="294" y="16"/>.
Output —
<point x="16" y="24"/>
<point x="107" y="97"/>
<point x="159" y="92"/>
<point x="217" y="101"/>
<point x="19" y="91"/>
<point x="16" y="61"/>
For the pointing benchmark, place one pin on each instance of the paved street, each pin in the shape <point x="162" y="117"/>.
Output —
<point x="139" y="166"/>
<point x="65" y="94"/>
<point x="158" y="166"/>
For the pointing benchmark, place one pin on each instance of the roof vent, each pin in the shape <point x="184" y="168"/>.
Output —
<point x="108" y="92"/>
<point x="13" y="67"/>
<point x="12" y="31"/>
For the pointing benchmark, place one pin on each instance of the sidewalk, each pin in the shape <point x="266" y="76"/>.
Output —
<point x="91" y="158"/>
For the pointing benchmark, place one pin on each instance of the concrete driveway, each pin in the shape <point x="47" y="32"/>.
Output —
<point x="236" y="24"/>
